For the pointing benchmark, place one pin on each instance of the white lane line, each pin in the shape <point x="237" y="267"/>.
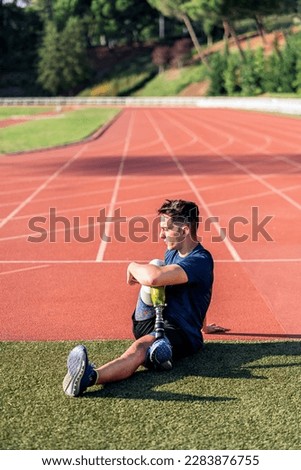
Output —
<point x="127" y="261"/>
<point x="108" y="224"/>
<point x="79" y="227"/>
<point x="243" y="180"/>
<point x="238" y="165"/>
<point x="290" y="162"/>
<point x="150" y="198"/>
<point x="41" y="187"/>
<point x="194" y="189"/>
<point x="270" y="129"/>
<point x="23" y="269"/>
<point x="251" y="196"/>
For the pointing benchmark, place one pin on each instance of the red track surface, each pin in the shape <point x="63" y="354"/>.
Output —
<point x="226" y="161"/>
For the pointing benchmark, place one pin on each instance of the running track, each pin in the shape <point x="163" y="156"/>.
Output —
<point x="227" y="161"/>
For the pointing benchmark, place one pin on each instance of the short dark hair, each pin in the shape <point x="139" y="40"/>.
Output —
<point x="181" y="212"/>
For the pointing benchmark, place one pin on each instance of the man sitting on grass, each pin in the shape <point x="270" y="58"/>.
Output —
<point x="187" y="274"/>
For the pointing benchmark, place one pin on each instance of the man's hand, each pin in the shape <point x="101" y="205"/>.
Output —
<point x="214" y="328"/>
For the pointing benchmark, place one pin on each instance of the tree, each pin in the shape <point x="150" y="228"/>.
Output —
<point x="177" y="9"/>
<point x="124" y="20"/>
<point x="205" y="11"/>
<point x="218" y="64"/>
<point x="75" y="67"/>
<point x="226" y="12"/>
<point x="60" y="11"/>
<point x="251" y="73"/>
<point x="19" y="28"/>
<point x="63" y="65"/>
<point x="49" y="68"/>
<point x="231" y="74"/>
<point x="214" y="12"/>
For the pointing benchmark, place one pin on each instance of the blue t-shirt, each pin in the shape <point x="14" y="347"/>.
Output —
<point x="187" y="303"/>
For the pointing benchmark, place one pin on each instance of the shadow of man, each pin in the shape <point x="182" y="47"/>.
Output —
<point x="217" y="360"/>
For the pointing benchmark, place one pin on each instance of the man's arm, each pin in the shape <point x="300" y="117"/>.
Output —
<point x="151" y="275"/>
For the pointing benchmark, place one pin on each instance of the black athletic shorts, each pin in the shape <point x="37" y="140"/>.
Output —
<point x="180" y="344"/>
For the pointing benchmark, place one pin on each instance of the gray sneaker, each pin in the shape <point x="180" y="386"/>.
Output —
<point x="80" y="373"/>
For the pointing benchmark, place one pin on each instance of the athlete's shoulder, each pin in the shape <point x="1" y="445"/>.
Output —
<point x="201" y="258"/>
<point x="170" y="255"/>
<point x="200" y="250"/>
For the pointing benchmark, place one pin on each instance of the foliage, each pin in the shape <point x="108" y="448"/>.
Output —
<point x="252" y="73"/>
<point x="231" y="74"/>
<point x="297" y="81"/>
<point x="130" y="71"/>
<point x="172" y="82"/>
<point x="273" y="71"/>
<point x="289" y="66"/>
<point x="119" y="86"/>
<point x="27" y="43"/>
<point x="124" y="21"/>
<point x="171" y="8"/>
<point x="63" y="64"/>
<point x="50" y="57"/>
<point x="218" y="64"/>
<point x="177" y="9"/>
<point x="297" y="46"/>
<point x="278" y="72"/>
<point x="19" y="27"/>
<point x="19" y="34"/>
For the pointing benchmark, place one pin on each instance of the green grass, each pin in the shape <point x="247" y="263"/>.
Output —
<point x="123" y="78"/>
<point x="9" y="111"/>
<point x="63" y="128"/>
<point x="231" y="396"/>
<point x="171" y="82"/>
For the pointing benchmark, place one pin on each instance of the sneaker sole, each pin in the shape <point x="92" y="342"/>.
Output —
<point x="71" y="384"/>
<point x="166" y="365"/>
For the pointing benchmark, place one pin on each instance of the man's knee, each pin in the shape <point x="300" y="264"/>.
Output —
<point x="140" y="347"/>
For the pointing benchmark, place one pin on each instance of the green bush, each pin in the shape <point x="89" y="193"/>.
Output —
<point x="231" y="75"/>
<point x="297" y="81"/>
<point x="291" y="65"/>
<point x="272" y="77"/>
<point x="216" y="74"/>
<point x="280" y="72"/>
<point x="251" y="73"/>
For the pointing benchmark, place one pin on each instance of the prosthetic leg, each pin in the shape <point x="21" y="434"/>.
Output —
<point x="158" y="300"/>
<point x="160" y="353"/>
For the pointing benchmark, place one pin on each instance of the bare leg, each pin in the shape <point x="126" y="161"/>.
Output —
<point x="125" y="365"/>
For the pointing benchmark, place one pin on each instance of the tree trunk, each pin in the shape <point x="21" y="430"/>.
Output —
<point x="195" y="40"/>
<point x="260" y="28"/>
<point x="209" y="40"/>
<point x="226" y="32"/>
<point x="229" y="29"/>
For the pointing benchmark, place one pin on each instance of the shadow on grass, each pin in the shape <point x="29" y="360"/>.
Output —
<point x="218" y="360"/>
